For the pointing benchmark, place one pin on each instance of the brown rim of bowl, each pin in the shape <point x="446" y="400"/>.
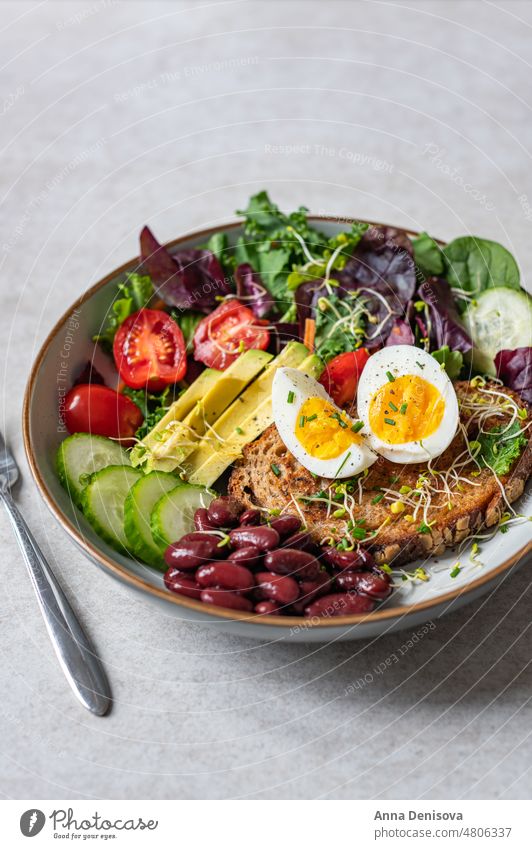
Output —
<point x="191" y="604"/>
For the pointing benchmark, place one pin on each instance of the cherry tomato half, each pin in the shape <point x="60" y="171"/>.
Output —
<point x="226" y="332"/>
<point x="149" y="350"/>
<point x="92" y="408"/>
<point x="342" y="374"/>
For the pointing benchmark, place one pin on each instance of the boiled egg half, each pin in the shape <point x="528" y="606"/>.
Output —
<point x="321" y="436"/>
<point x="408" y="405"/>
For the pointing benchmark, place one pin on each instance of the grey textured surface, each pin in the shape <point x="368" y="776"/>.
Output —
<point x="117" y="114"/>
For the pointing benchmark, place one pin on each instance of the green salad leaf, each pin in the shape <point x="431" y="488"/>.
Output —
<point x="501" y="447"/>
<point x="428" y="256"/>
<point x="152" y="405"/>
<point x="339" y="324"/>
<point x="475" y="264"/>
<point x="452" y="361"/>
<point x="134" y="294"/>
<point x="187" y="321"/>
<point x="286" y="250"/>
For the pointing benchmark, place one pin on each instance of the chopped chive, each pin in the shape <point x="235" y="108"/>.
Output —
<point x="390" y="422"/>
<point x="342" y="423"/>
<point x="390" y="377"/>
<point x="420" y="365"/>
<point x="393" y="407"/>
<point x="359" y="533"/>
<point x="403" y="408"/>
<point x="455" y="571"/>
<point x="302" y="421"/>
<point x="275" y="469"/>
<point x="394" y="479"/>
<point x="312" y="417"/>
<point x="239" y="430"/>
<point x="377" y="498"/>
<point x="423" y="528"/>
<point x="342" y="464"/>
<point x="357" y="426"/>
<point x="290" y="397"/>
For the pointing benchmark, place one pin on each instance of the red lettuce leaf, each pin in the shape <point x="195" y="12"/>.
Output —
<point x="400" y="334"/>
<point x="445" y="325"/>
<point x="187" y="279"/>
<point x="515" y="370"/>
<point x="382" y="264"/>
<point x="252" y="292"/>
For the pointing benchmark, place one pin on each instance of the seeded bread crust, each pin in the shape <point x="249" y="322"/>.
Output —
<point x="479" y="505"/>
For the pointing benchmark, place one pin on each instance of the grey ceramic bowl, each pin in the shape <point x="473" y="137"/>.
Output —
<point x="63" y="354"/>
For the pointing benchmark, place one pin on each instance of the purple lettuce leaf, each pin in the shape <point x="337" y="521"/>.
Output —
<point x="400" y="334"/>
<point x="445" y="325"/>
<point x="382" y="264"/>
<point x="281" y="333"/>
<point x="306" y="298"/>
<point x="515" y="370"/>
<point x="252" y="292"/>
<point x="187" y="279"/>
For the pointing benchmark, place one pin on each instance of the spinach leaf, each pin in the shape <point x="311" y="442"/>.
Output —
<point x="474" y="264"/>
<point x="133" y="295"/>
<point x="500" y="448"/>
<point x="452" y="361"/>
<point x="428" y="255"/>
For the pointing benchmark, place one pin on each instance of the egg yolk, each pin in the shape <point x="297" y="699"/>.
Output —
<point x="323" y="430"/>
<point x="406" y="409"/>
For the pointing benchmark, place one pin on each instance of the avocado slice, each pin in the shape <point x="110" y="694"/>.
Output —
<point x="246" y="418"/>
<point x="174" y="437"/>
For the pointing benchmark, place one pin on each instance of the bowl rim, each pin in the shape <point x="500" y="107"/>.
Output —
<point x="120" y="572"/>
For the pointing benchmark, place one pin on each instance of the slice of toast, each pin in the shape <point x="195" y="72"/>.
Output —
<point x="458" y="501"/>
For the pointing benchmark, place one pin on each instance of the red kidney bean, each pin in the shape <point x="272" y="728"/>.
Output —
<point x="309" y="590"/>
<point x="339" y="604"/>
<point x="302" y="540"/>
<point x="201" y="520"/>
<point x="266" y="608"/>
<point x="249" y="556"/>
<point x="229" y="576"/>
<point x="178" y="582"/>
<point x="354" y="560"/>
<point x="286" y="525"/>
<point x="279" y="588"/>
<point x="261" y="536"/>
<point x="367" y="583"/>
<point x="225" y="598"/>
<point x="224" y="512"/>
<point x="290" y="561"/>
<point x="189" y="554"/>
<point x="250" y="517"/>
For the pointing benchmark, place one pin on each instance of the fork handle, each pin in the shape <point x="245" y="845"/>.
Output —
<point x="76" y="656"/>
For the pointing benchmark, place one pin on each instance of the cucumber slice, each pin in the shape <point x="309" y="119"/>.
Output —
<point x="140" y="501"/>
<point x="83" y="454"/>
<point x="173" y="514"/>
<point x="103" y="503"/>
<point x="499" y="319"/>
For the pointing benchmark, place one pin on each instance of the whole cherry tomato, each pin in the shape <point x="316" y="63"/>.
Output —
<point x="92" y="408"/>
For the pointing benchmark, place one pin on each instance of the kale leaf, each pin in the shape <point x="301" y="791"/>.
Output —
<point x="501" y="447"/>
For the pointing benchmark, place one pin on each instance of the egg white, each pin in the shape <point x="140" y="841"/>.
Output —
<point x="350" y="462"/>
<point x="401" y="360"/>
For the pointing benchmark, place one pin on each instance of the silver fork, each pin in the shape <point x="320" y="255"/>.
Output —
<point x="76" y="656"/>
